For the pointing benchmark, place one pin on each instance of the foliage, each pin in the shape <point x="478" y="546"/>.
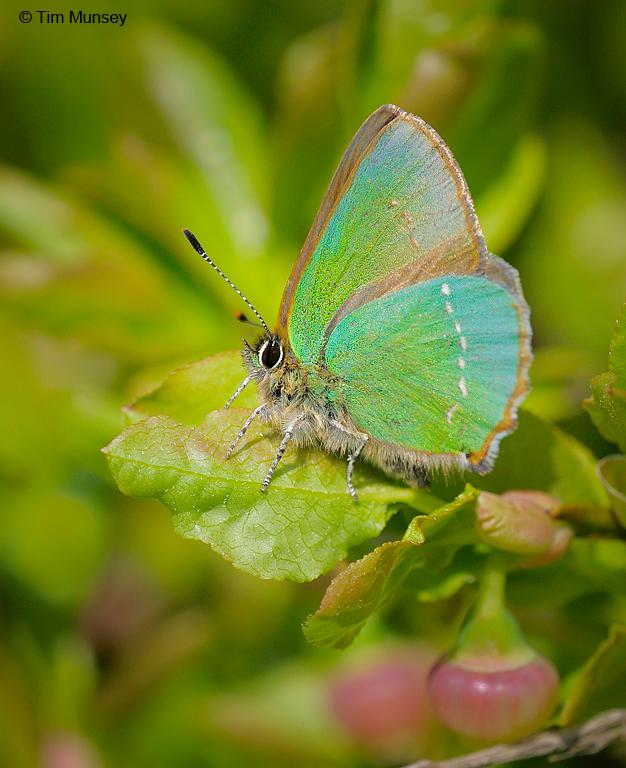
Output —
<point x="600" y="683"/>
<point x="607" y="404"/>
<point x="423" y="555"/>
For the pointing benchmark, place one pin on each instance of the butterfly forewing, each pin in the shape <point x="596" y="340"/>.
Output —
<point x="397" y="210"/>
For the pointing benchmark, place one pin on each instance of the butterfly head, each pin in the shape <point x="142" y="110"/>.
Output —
<point x="268" y="362"/>
<point x="266" y="356"/>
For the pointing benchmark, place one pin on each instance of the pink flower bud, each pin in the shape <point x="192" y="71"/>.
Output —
<point x="383" y="702"/>
<point x="524" y="500"/>
<point x="520" y="522"/>
<point x="68" y="750"/>
<point x="561" y="540"/>
<point x="489" y="706"/>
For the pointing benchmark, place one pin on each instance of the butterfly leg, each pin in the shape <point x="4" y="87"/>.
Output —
<point x="239" y="390"/>
<point x="351" y="461"/>
<point x="244" y="429"/>
<point x="279" y="453"/>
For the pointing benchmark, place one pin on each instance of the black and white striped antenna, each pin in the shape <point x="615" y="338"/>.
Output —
<point x="193" y="241"/>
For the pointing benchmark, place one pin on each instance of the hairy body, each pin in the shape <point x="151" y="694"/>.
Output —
<point x="307" y="402"/>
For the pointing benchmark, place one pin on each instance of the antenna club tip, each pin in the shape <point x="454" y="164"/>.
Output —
<point x="193" y="240"/>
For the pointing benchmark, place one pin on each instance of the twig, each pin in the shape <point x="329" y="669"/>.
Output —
<point x="586" y="739"/>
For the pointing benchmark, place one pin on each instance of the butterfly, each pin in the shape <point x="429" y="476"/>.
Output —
<point x="400" y="339"/>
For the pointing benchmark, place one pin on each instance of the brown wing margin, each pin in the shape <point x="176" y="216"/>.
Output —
<point x="341" y="180"/>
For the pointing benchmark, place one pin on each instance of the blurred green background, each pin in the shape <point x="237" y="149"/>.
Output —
<point x="122" y="644"/>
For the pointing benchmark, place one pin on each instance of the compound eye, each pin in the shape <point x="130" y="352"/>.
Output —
<point x="271" y="354"/>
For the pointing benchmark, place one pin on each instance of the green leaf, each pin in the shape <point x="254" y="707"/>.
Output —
<point x="590" y="566"/>
<point x="59" y="383"/>
<point x="217" y="125"/>
<point x="429" y="545"/>
<point x="600" y="684"/>
<point x="288" y="704"/>
<point x="62" y="573"/>
<point x="197" y="153"/>
<point x="573" y="252"/>
<point x="557" y="374"/>
<point x="612" y="472"/>
<point x="190" y="393"/>
<point x="504" y="207"/>
<point x="600" y="563"/>
<point x="607" y="404"/>
<point x="78" y="274"/>
<point x="607" y="408"/>
<point x="499" y="105"/>
<point x="301" y="527"/>
<point x="447" y="583"/>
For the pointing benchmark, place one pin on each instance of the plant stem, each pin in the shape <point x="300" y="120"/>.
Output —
<point x="492" y="590"/>
<point x="589" y="738"/>
<point x="491" y="632"/>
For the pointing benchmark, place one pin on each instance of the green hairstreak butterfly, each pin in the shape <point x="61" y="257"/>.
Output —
<point x="399" y="338"/>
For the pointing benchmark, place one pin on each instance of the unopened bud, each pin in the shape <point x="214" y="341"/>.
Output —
<point x="521" y="522"/>
<point x="493" y="685"/>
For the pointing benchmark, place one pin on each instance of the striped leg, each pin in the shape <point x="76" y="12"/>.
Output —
<point x="239" y="390"/>
<point x="244" y="429"/>
<point x="352" y="457"/>
<point x="351" y="461"/>
<point x="279" y="453"/>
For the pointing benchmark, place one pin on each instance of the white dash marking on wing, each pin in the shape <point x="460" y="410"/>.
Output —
<point x="461" y="362"/>
<point x="451" y="412"/>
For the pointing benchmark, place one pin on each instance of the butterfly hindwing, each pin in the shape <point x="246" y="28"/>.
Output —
<point x="436" y="367"/>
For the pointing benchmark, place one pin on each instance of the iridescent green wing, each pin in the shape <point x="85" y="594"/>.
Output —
<point x="438" y="366"/>
<point x="397" y="211"/>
